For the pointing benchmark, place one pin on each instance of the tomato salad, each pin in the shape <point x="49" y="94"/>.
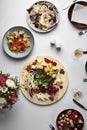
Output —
<point x="70" y="119"/>
<point x="18" y="41"/>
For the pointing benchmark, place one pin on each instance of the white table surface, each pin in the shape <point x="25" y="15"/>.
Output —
<point x="26" y="115"/>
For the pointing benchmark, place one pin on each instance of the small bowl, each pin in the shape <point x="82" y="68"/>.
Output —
<point x="70" y="119"/>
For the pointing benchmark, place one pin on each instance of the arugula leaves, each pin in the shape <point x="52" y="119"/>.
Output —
<point x="41" y="78"/>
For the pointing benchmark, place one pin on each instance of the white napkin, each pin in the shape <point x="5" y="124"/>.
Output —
<point x="79" y="14"/>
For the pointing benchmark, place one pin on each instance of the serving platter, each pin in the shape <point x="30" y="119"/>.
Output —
<point x="70" y="119"/>
<point x="8" y="39"/>
<point x="44" y="80"/>
<point x="70" y="11"/>
<point x="42" y="16"/>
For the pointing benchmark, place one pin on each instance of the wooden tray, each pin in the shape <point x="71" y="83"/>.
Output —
<point x="77" y="25"/>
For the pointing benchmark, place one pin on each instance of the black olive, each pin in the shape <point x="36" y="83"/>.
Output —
<point x="79" y="125"/>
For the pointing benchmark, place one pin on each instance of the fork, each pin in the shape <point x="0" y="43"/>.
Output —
<point x="69" y="5"/>
<point x="52" y="127"/>
<point x="82" y="32"/>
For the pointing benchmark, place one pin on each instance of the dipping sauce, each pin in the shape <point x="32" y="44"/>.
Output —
<point x="78" y="95"/>
<point x="78" y="53"/>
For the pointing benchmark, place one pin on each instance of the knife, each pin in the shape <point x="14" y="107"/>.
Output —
<point x="85" y="80"/>
<point x="80" y="105"/>
<point x="86" y="66"/>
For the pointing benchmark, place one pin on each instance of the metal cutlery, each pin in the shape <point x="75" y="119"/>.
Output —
<point x="82" y="32"/>
<point x="51" y="127"/>
<point x="84" y="52"/>
<point x="86" y="66"/>
<point x="79" y="104"/>
<point x="69" y="5"/>
<point x="84" y="79"/>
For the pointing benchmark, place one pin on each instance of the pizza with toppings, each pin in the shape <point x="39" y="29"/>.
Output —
<point x="44" y="80"/>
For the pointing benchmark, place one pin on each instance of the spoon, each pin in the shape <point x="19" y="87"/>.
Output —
<point x="51" y="127"/>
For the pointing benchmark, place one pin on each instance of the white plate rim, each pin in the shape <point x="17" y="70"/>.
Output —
<point x="37" y="29"/>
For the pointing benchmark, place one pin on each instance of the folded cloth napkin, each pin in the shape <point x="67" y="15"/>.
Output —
<point x="79" y="14"/>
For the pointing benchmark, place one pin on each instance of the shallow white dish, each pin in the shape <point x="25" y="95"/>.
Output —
<point x="32" y="19"/>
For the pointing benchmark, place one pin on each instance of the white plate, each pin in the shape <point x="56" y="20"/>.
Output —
<point x="32" y="20"/>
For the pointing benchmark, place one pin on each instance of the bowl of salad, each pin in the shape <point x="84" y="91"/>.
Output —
<point x="18" y="42"/>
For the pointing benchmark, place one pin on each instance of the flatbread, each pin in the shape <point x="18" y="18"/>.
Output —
<point x="60" y="81"/>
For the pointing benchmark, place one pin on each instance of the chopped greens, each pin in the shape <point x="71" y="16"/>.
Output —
<point x="41" y="78"/>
